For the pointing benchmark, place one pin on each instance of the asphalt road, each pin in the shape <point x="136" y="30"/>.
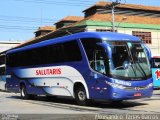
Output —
<point x="11" y="106"/>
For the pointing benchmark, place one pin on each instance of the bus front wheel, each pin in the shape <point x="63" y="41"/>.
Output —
<point x="80" y="96"/>
<point x="23" y="92"/>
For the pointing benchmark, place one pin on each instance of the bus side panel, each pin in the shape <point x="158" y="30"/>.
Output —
<point x="12" y="83"/>
<point x="53" y="80"/>
<point x="53" y="86"/>
<point x="32" y="89"/>
<point x="101" y="90"/>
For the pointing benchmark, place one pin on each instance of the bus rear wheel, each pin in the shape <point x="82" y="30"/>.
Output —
<point x="80" y="96"/>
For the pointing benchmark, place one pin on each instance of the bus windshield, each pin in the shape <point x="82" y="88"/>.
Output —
<point x="129" y="61"/>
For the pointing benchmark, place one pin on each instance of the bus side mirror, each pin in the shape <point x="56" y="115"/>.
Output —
<point x="107" y="49"/>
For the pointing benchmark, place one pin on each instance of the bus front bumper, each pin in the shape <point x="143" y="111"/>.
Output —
<point x="118" y="94"/>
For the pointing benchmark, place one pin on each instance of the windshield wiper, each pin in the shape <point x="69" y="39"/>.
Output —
<point x="131" y="58"/>
<point x="141" y="69"/>
<point x="133" y="69"/>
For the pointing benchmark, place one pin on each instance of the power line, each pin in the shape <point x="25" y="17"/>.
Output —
<point x="17" y="27"/>
<point x="24" y="21"/>
<point x="26" y="18"/>
<point x="10" y="27"/>
<point x="56" y="2"/>
<point x="15" y="19"/>
<point x="82" y="0"/>
<point x="19" y="19"/>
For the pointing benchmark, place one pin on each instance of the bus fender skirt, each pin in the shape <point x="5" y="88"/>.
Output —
<point x="85" y="86"/>
<point x="22" y="82"/>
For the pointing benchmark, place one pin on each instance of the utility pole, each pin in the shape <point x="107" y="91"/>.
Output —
<point x="117" y="2"/>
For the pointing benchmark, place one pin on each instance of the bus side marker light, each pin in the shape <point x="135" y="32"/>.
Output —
<point x="104" y="88"/>
<point x="97" y="88"/>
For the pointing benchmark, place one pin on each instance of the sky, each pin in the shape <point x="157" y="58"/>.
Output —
<point x="19" y="19"/>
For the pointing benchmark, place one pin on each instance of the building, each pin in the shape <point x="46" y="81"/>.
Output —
<point x="62" y="27"/>
<point x="5" y="45"/>
<point x="69" y="20"/>
<point x="44" y="30"/>
<point x="138" y="20"/>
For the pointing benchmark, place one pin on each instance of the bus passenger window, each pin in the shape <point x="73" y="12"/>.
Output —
<point x="97" y="60"/>
<point x="96" y="55"/>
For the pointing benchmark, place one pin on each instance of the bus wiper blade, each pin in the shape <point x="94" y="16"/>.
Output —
<point x="133" y="69"/>
<point x="141" y="69"/>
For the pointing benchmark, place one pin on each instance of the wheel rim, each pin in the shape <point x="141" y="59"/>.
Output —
<point x="81" y="95"/>
<point x="23" y="92"/>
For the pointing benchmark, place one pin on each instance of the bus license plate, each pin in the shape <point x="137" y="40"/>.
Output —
<point x="137" y="94"/>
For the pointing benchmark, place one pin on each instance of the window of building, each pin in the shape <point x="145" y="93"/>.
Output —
<point x="144" y="36"/>
<point x="105" y="30"/>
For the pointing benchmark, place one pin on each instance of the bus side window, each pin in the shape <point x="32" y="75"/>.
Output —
<point x="95" y="54"/>
<point x="99" y="61"/>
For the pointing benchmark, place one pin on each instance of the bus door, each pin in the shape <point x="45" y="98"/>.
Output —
<point x="156" y="72"/>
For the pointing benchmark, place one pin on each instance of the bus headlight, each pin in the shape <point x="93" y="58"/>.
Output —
<point x="150" y="85"/>
<point x="114" y="85"/>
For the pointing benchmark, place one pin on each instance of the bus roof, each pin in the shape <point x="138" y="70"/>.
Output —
<point x="108" y="36"/>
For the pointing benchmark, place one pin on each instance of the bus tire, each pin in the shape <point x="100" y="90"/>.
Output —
<point x="80" y="96"/>
<point x="23" y="91"/>
<point x="5" y="88"/>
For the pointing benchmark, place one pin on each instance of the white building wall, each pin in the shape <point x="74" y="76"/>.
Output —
<point x="5" y="45"/>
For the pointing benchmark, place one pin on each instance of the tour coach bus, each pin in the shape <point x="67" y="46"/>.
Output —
<point x="87" y="65"/>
